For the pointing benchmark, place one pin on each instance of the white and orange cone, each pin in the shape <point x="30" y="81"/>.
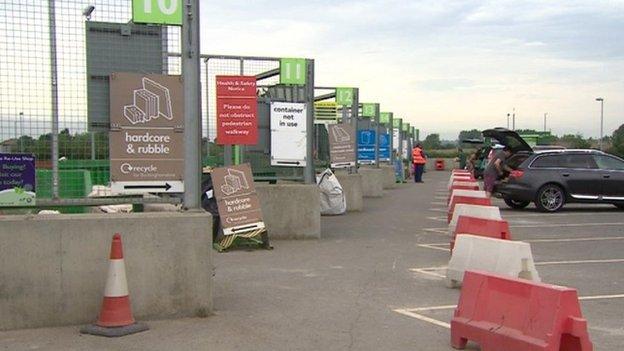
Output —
<point x="115" y="317"/>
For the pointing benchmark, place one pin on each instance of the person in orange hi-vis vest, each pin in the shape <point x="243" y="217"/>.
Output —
<point x="418" y="159"/>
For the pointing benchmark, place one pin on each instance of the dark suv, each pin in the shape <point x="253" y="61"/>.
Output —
<point x="555" y="177"/>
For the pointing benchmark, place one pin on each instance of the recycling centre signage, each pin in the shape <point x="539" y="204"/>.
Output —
<point x="237" y="200"/>
<point x="366" y="146"/>
<point x="288" y="134"/>
<point x="384" y="118"/>
<point x="146" y="133"/>
<point x="167" y="12"/>
<point x="344" y="96"/>
<point x="369" y="110"/>
<point x="342" y="145"/>
<point x="325" y="112"/>
<point x="17" y="180"/>
<point x="293" y="71"/>
<point x="384" y="147"/>
<point x="237" y="110"/>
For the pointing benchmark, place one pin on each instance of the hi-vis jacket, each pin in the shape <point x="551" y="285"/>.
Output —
<point x="418" y="157"/>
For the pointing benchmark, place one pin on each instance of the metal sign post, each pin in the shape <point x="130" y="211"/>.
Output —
<point x="309" y="171"/>
<point x="192" y="104"/>
<point x="377" y="135"/>
<point x="355" y="107"/>
<point x="54" y="99"/>
<point x="390" y="126"/>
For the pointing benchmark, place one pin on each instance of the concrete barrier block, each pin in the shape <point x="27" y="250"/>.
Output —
<point x="460" y="178"/>
<point x="352" y="187"/>
<point x="291" y="211"/>
<point x="504" y="257"/>
<point x="53" y="268"/>
<point x="480" y="194"/>
<point x="463" y="184"/>
<point x="372" y="181"/>
<point x="389" y="177"/>
<point x="477" y="211"/>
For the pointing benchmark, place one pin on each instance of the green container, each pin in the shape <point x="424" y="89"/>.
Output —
<point x="213" y="161"/>
<point x="73" y="184"/>
<point x="100" y="169"/>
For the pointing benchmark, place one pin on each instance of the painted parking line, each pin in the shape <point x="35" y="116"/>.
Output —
<point x="414" y="312"/>
<point x="445" y="246"/>
<point x="435" y="271"/>
<point x="424" y="318"/>
<point x="533" y="225"/>
<point x="550" y="263"/>
<point x="558" y="214"/>
<point x="437" y="209"/>
<point x="439" y="203"/>
<point x="563" y="240"/>
<point x="594" y="224"/>
<point x="431" y="271"/>
<point x="436" y="246"/>
<point x="436" y="230"/>
<point x="550" y="215"/>
<point x="438" y="218"/>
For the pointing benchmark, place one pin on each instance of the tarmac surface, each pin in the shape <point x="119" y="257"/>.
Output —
<point x="373" y="282"/>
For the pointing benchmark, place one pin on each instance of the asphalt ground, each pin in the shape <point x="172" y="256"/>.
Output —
<point x="373" y="282"/>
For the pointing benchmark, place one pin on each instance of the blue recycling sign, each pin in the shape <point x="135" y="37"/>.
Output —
<point x="366" y="145"/>
<point x="384" y="147"/>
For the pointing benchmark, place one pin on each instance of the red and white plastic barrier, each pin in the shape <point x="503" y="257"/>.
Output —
<point x="491" y="228"/>
<point x="502" y="313"/>
<point x="457" y="200"/>
<point x="486" y="212"/>
<point x="505" y="257"/>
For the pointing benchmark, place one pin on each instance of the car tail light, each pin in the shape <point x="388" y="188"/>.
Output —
<point x="516" y="174"/>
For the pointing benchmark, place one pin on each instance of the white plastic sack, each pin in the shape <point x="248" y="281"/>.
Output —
<point x="333" y="201"/>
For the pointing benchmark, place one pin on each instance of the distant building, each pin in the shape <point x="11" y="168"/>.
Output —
<point x="8" y="145"/>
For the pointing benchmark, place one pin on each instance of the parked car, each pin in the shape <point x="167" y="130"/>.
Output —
<point x="552" y="178"/>
<point x="547" y="147"/>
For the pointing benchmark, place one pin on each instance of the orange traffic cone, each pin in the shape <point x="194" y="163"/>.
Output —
<point x="115" y="317"/>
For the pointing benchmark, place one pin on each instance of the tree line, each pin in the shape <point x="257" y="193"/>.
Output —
<point x="612" y="143"/>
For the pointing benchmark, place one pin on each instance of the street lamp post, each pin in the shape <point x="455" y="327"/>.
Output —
<point x="545" y="114"/>
<point x="601" y="100"/>
<point x="21" y="131"/>
<point x="508" y="120"/>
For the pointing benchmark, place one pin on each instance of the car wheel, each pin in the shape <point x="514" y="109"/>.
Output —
<point x="516" y="204"/>
<point x="620" y="206"/>
<point x="550" y="198"/>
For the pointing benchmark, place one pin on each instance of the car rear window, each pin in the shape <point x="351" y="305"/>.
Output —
<point x="548" y="161"/>
<point x="608" y="162"/>
<point x="516" y="160"/>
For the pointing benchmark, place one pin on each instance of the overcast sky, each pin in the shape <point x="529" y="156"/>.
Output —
<point x="446" y="65"/>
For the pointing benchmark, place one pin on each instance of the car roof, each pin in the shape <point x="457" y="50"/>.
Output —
<point x="571" y="151"/>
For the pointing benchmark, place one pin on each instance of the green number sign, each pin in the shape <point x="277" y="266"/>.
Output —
<point x="406" y="127"/>
<point x="369" y="110"/>
<point x="344" y="96"/>
<point x="396" y="123"/>
<point x="167" y="12"/>
<point x="384" y="118"/>
<point x="293" y="71"/>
